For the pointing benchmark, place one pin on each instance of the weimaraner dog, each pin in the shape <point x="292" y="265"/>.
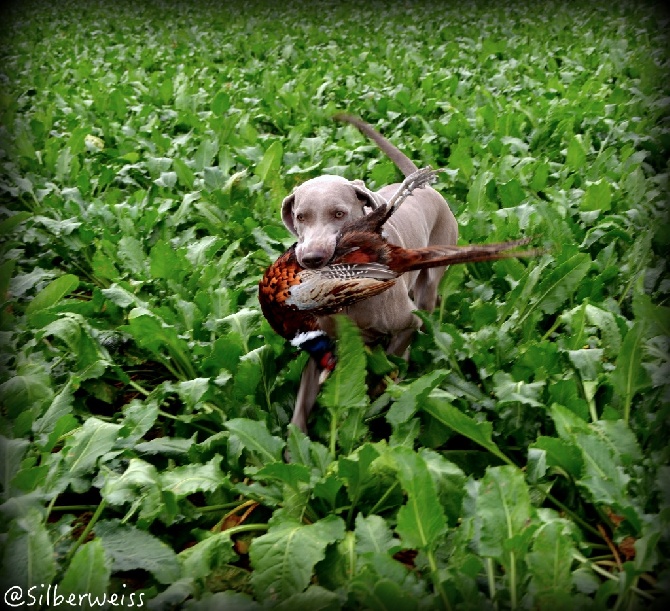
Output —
<point x="315" y="212"/>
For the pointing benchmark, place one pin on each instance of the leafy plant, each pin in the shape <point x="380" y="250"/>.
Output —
<point x="519" y="460"/>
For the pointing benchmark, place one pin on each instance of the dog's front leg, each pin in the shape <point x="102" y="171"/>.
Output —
<point x="307" y="393"/>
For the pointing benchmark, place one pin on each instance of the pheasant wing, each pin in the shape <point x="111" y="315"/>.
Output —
<point x="331" y="288"/>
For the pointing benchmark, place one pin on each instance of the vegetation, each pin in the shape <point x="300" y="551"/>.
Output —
<point x="520" y="460"/>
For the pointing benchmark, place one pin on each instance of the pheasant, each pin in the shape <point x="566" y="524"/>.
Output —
<point x="364" y="264"/>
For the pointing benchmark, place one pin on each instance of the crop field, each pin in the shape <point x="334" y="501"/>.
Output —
<point x="519" y="460"/>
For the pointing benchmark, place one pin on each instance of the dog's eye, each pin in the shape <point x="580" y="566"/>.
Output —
<point x="300" y="217"/>
<point x="338" y="214"/>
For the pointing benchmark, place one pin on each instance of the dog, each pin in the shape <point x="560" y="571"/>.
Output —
<point x="316" y="211"/>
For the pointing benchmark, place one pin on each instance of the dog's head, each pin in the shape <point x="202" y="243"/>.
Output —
<point x="316" y="211"/>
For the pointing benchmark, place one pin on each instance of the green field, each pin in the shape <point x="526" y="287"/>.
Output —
<point x="520" y="459"/>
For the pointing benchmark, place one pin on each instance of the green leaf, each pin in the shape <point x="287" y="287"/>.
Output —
<point x="550" y="563"/>
<point x="629" y="376"/>
<point x="284" y="557"/>
<point x="598" y="196"/>
<point x="130" y="548"/>
<point x="560" y="284"/>
<point x="413" y="395"/>
<point x="449" y="482"/>
<point x="603" y="475"/>
<point x="477" y="198"/>
<point x="11" y="454"/>
<point x="131" y="252"/>
<point x="270" y="165"/>
<point x="562" y="454"/>
<point x="182" y="481"/>
<point x="207" y="555"/>
<point x="503" y="514"/>
<point x="314" y="598"/>
<point x="87" y="576"/>
<point x="373" y="536"/>
<point x="28" y="557"/>
<point x="129" y="486"/>
<point x="8" y="225"/>
<point x="94" y="439"/>
<point x="345" y="387"/>
<point x="61" y="405"/>
<point x="576" y="155"/>
<point x="479" y="432"/>
<point x="52" y="293"/>
<point x="254" y="436"/>
<point x="421" y="521"/>
<point x="511" y="193"/>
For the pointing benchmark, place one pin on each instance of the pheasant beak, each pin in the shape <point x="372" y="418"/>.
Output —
<point x="323" y="376"/>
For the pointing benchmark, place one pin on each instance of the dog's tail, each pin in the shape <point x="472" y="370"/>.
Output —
<point x="404" y="163"/>
<point x="406" y="260"/>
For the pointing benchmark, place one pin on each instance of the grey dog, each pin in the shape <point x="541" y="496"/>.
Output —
<point x="316" y="211"/>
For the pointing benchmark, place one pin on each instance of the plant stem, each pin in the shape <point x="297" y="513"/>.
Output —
<point x="85" y="532"/>
<point x="384" y="496"/>
<point x="71" y="508"/>
<point x="512" y="581"/>
<point x="436" y="579"/>
<point x="246" y="528"/>
<point x="577" y="556"/>
<point x="491" y="578"/>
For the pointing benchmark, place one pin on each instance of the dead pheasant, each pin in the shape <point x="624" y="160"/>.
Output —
<point x="364" y="264"/>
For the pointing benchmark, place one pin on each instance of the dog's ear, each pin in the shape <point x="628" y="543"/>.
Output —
<point x="370" y="198"/>
<point x="287" y="213"/>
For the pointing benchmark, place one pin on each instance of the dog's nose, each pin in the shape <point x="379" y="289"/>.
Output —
<point x="313" y="260"/>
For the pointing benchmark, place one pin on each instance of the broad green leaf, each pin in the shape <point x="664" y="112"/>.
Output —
<point x="603" y="475"/>
<point x="345" y="387"/>
<point x="449" y="482"/>
<point x="29" y="389"/>
<point x="292" y="475"/>
<point x="576" y="154"/>
<point x="549" y="564"/>
<point x="207" y="555"/>
<point x="271" y="162"/>
<point x="130" y="548"/>
<point x="165" y="445"/>
<point x="11" y="455"/>
<point x="182" y="481"/>
<point x="479" y="432"/>
<point x="598" y="196"/>
<point x="87" y="576"/>
<point x="8" y="225"/>
<point x="630" y="376"/>
<point x="284" y="557"/>
<point x="165" y="262"/>
<point x="61" y="405"/>
<point x="477" y="197"/>
<point x="137" y="480"/>
<point x="254" y="436"/>
<point x="138" y="418"/>
<point x="511" y="193"/>
<point x="314" y="598"/>
<point x="560" y="284"/>
<point x="421" y="521"/>
<point x="510" y="391"/>
<point x="131" y="253"/>
<point x="503" y="518"/>
<point x="53" y="293"/>
<point x="28" y="557"/>
<point x="413" y="396"/>
<point x="94" y="439"/>
<point x="373" y="536"/>
<point x="562" y="454"/>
